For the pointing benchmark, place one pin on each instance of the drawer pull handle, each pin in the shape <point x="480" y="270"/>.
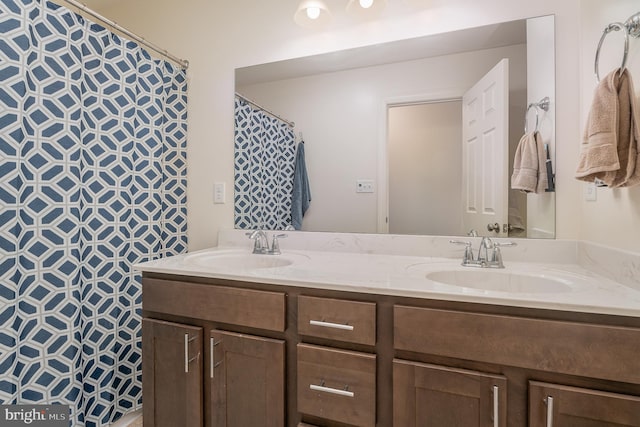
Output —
<point x="549" y="402"/>
<point x="496" y="416"/>
<point x="331" y="325"/>
<point x="331" y="390"/>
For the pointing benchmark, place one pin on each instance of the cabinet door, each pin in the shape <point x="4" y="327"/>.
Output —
<point x="430" y="395"/>
<point x="552" y="405"/>
<point x="247" y="376"/>
<point x="171" y="374"/>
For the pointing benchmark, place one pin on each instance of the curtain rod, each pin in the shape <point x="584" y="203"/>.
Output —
<point x="292" y="124"/>
<point x="83" y="7"/>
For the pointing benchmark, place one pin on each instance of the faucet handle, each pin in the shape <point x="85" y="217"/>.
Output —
<point x="275" y="245"/>
<point x="468" y="252"/>
<point x="497" y="254"/>
<point x="499" y="244"/>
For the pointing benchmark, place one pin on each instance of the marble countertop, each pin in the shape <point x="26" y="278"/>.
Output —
<point x="564" y="286"/>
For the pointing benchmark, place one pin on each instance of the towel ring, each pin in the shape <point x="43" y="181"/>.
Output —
<point x="542" y="105"/>
<point x="631" y="27"/>
<point x="616" y="26"/>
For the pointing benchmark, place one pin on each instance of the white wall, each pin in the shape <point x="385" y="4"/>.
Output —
<point x="614" y="219"/>
<point x="218" y="36"/>
<point x="340" y="114"/>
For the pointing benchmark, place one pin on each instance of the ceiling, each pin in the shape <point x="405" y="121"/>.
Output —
<point x="487" y="37"/>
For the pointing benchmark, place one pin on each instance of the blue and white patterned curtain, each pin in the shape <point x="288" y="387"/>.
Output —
<point x="92" y="180"/>
<point x="264" y="160"/>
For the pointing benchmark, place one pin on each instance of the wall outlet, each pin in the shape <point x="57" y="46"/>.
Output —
<point x="219" y="192"/>
<point x="590" y="194"/>
<point x="365" y="186"/>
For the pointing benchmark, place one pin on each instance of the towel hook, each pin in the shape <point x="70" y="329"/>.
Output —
<point x="543" y="104"/>
<point x="631" y="27"/>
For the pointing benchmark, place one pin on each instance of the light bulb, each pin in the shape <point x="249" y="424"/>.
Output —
<point x="313" y="12"/>
<point x="366" y="4"/>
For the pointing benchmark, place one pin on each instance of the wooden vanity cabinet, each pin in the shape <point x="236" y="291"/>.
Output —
<point x="229" y="379"/>
<point x="222" y="353"/>
<point x="527" y="350"/>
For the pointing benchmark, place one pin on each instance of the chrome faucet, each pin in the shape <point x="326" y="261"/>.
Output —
<point x="261" y="243"/>
<point x="489" y="255"/>
<point x="486" y="245"/>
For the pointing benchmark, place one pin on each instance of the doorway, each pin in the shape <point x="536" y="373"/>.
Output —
<point x="424" y="148"/>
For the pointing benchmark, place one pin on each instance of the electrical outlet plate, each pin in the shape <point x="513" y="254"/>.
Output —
<point x="590" y="194"/>
<point x="365" y="186"/>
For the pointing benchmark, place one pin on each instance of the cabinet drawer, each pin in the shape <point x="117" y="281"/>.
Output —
<point x="342" y="320"/>
<point x="553" y="404"/>
<point x="596" y="351"/>
<point x="244" y="307"/>
<point x="337" y="385"/>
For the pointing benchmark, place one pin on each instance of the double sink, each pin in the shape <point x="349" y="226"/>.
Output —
<point x="443" y="272"/>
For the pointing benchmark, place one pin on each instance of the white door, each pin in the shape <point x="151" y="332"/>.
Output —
<point x="485" y="149"/>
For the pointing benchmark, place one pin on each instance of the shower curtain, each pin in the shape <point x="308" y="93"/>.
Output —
<point x="264" y="160"/>
<point x="92" y="180"/>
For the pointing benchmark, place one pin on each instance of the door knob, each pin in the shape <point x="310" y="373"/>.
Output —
<point x="494" y="227"/>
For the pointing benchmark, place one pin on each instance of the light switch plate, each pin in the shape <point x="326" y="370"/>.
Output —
<point x="219" y="192"/>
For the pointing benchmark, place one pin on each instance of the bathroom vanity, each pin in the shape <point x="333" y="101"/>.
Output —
<point x="283" y="342"/>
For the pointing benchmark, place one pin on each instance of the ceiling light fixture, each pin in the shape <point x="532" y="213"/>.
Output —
<point x="365" y="8"/>
<point x="315" y="13"/>
<point x="312" y="14"/>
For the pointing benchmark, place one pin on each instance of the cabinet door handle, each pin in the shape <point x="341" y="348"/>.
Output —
<point x="187" y="340"/>
<point x="549" y="402"/>
<point x="331" y="390"/>
<point x="331" y="325"/>
<point x="496" y="413"/>
<point x="186" y="353"/>
<point x="212" y="360"/>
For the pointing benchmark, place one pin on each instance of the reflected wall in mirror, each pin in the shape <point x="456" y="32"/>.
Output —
<point x="394" y="116"/>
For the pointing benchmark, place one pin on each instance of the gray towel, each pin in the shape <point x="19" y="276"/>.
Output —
<point x="301" y="191"/>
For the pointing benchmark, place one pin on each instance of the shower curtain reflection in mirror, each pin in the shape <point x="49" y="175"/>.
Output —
<point x="264" y="161"/>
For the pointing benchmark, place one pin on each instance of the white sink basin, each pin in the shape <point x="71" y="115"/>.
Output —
<point x="502" y="281"/>
<point x="233" y="260"/>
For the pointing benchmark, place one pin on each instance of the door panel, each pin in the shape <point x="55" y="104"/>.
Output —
<point x="171" y="374"/>
<point x="434" y="396"/>
<point x="559" y="406"/>
<point x="247" y="377"/>
<point x="485" y="148"/>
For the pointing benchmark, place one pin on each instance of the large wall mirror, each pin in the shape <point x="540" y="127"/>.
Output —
<point x="401" y="137"/>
